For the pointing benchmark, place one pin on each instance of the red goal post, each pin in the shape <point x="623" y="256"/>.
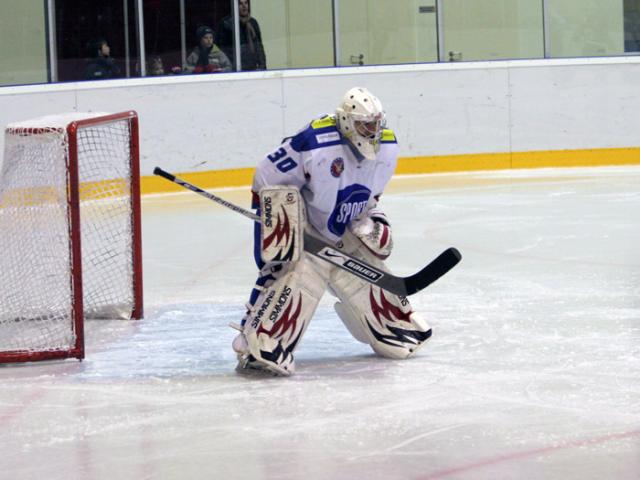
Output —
<point x="70" y="231"/>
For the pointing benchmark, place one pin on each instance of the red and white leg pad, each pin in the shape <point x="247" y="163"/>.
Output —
<point x="374" y="316"/>
<point x="277" y="321"/>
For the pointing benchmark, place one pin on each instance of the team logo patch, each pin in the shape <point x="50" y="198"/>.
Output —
<point x="337" y="167"/>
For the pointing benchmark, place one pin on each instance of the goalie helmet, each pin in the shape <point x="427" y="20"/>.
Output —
<point x="361" y="120"/>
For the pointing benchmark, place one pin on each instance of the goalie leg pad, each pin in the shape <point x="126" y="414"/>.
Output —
<point x="375" y="316"/>
<point x="277" y="321"/>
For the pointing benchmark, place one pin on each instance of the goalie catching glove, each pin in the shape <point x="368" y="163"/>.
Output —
<point x="374" y="231"/>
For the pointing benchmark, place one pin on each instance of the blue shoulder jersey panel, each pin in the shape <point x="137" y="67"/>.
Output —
<point x="320" y="133"/>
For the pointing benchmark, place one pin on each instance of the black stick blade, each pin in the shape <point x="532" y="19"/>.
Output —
<point x="432" y="272"/>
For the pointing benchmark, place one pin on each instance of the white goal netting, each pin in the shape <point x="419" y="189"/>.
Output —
<point x="39" y="239"/>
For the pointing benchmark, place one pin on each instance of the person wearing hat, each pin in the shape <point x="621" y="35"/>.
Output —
<point x="252" y="54"/>
<point x="100" y="65"/>
<point x="206" y="57"/>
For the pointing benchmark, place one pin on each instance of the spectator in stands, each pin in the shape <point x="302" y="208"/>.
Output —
<point x="206" y="57"/>
<point x="251" y="49"/>
<point x="155" y="66"/>
<point x="100" y="65"/>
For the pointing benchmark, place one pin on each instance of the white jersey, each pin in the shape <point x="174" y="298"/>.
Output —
<point x="336" y="183"/>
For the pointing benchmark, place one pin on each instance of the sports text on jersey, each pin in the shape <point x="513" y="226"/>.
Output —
<point x="351" y="201"/>
<point x="349" y="211"/>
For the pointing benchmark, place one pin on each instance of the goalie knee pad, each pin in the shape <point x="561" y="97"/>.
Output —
<point x="277" y="320"/>
<point x="376" y="317"/>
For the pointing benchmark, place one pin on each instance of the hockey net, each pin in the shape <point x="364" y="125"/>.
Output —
<point x="70" y="244"/>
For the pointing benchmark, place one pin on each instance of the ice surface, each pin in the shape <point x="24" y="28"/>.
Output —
<point x="533" y="370"/>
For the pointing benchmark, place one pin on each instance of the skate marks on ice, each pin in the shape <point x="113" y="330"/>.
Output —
<point x="193" y="340"/>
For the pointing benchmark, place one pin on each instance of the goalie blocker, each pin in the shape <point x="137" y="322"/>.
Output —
<point x="282" y="219"/>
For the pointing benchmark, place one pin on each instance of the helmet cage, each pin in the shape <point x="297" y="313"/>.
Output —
<point x="361" y="121"/>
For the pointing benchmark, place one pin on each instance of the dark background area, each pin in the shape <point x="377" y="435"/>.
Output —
<point x="78" y="23"/>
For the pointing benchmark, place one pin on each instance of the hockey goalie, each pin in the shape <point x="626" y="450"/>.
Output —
<point x="327" y="180"/>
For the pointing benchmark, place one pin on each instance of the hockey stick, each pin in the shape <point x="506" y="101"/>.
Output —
<point x="402" y="286"/>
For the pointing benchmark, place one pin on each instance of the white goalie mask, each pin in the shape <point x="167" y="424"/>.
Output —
<point x="361" y="120"/>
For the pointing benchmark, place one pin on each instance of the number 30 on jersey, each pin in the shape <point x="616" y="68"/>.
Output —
<point x="283" y="164"/>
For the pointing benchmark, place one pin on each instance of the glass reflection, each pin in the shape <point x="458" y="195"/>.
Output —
<point x="585" y="28"/>
<point x="492" y="30"/>
<point x="371" y="33"/>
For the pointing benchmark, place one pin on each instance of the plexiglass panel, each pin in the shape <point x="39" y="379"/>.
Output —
<point x="584" y="28"/>
<point x="632" y="26"/>
<point x="492" y="29"/>
<point x="102" y="40"/>
<point x="96" y="40"/>
<point x="371" y="32"/>
<point x="164" y="37"/>
<point x="23" y="43"/>
<point x="295" y="33"/>
<point x="206" y="49"/>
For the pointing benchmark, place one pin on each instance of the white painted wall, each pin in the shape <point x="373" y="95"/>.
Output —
<point x="198" y="123"/>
